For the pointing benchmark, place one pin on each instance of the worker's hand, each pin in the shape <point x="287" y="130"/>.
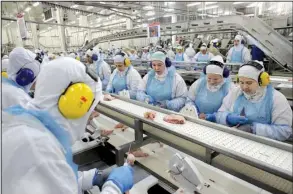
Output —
<point x="235" y="119"/>
<point x="246" y="128"/>
<point x="122" y="177"/>
<point x="210" y="117"/>
<point x="101" y="176"/>
<point x="162" y="104"/>
<point x="108" y="97"/>
<point x="149" y="115"/>
<point x="149" y="100"/>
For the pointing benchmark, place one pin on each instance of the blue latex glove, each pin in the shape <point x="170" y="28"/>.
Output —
<point x="235" y="119"/>
<point x="246" y="128"/>
<point x="122" y="177"/>
<point x="149" y="100"/>
<point x="211" y="117"/>
<point x="162" y="104"/>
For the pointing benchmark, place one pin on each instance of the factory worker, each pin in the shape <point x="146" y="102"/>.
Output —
<point x="23" y="69"/>
<point x="5" y="64"/>
<point x="238" y="53"/>
<point x="124" y="77"/>
<point x="162" y="86"/>
<point x="170" y="53"/>
<point x="41" y="134"/>
<point x="145" y="54"/>
<point x="190" y="52"/>
<point x="256" y="107"/>
<point x="179" y="55"/>
<point x="203" y="55"/>
<point x="103" y="70"/>
<point x="91" y="58"/>
<point x="206" y="94"/>
<point x="133" y="55"/>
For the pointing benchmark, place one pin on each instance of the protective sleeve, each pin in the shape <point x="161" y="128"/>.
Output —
<point x="281" y="127"/>
<point x="229" y="55"/>
<point x="109" y="86"/>
<point x="133" y="82"/>
<point x="246" y="55"/>
<point x="141" y="95"/>
<point x="85" y="179"/>
<point x="179" y="94"/>
<point x="190" y="100"/>
<point x="106" y="74"/>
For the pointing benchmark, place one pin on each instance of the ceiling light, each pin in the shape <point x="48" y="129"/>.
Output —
<point x="167" y="15"/>
<point x="235" y="3"/>
<point x="138" y="20"/>
<point x="74" y="6"/>
<point x="210" y="3"/>
<point x="148" y="7"/>
<point x="150" y="13"/>
<point x="168" y="10"/>
<point x="193" y="4"/>
<point x="252" y="5"/>
<point x="227" y="13"/>
<point x="90" y="14"/>
<point x="249" y="15"/>
<point x="11" y="21"/>
<point x="27" y="9"/>
<point x="101" y="2"/>
<point x="144" y="25"/>
<point x="90" y="7"/>
<point x="36" y="4"/>
<point x="211" y="7"/>
<point x="151" y="18"/>
<point x="202" y="14"/>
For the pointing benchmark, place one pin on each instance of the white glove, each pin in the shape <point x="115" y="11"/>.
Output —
<point x="189" y="110"/>
<point x="125" y="94"/>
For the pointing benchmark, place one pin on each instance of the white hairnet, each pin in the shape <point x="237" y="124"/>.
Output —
<point x="215" y="69"/>
<point x="22" y="58"/>
<point x="54" y="79"/>
<point x="5" y="64"/>
<point x="5" y="57"/>
<point x="158" y="56"/>
<point x="179" y="47"/>
<point x="203" y="46"/>
<point x="250" y="71"/>
<point x="118" y="59"/>
<point x="238" y="37"/>
<point x="89" y="53"/>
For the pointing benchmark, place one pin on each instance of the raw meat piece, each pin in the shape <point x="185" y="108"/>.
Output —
<point x="174" y="119"/>
<point x="108" y="97"/>
<point x="121" y="126"/>
<point x="149" y="115"/>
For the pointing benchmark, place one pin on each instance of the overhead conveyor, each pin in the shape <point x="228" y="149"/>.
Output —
<point x="265" y="162"/>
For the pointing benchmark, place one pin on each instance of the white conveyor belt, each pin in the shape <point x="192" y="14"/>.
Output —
<point x="261" y="153"/>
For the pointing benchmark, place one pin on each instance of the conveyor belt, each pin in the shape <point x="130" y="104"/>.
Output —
<point x="277" y="159"/>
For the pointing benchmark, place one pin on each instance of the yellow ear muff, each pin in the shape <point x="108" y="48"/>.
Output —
<point x="76" y="101"/>
<point x="127" y="62"/>
<point x="4" y="74"/>
<point x="264" y="79"/>
<point x="237" y="78"/>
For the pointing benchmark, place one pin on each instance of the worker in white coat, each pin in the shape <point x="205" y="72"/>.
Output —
<point x="145" y="54"/>
<point x="133" y="55"/>
<point x="5" y="64"/>
<point x="190" y="52"/>
<point x="162" y="86"/>
<point x="256" y="107"/>
<point x="91" y="58"/>
<point x="203" y="55"/>
<point x="124" y="77"/>
<point x="170" y="53"/>
<point x="103" y="70"/>
<point x="179" y="54"/>
<point x="41" y="134"/>
<point x="238" y="53"/>
<point x="207" y="93"/>
<point x="24" y="67"/>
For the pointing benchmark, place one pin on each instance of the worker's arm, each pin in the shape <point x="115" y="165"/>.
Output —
<point x="179" y="98"/>
<point x="141" y="92"/>
<point x="190" y="100"/>
<point x="133" y="82"/>
<point x="280" y="129"/>
<point x="110" y="86"/>
<point x="210" y="55"/>
<point x="229" y="55"/>
<point x="196" y="56"/>
<point x="246" y="55"/>
<point x="106" y="71"/>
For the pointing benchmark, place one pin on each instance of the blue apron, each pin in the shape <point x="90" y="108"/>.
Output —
<point x="179" y="57"/>
<point x="119" y="83"/>
<point x="260" y="112"/>
<point x="11" y="82"/>
<point x="236" y="56"/>
<point x="203" y="58"/>
<point x="209" y="102"/>
<point x="160" y="90"/>
<point x="49" y="122"/>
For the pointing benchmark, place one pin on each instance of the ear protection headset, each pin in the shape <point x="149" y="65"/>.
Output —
<point x="264" y="77"/>
<point x="127" y="61"/>
<point x="226" y="71"/>
<point x="4" y="74"/>
<point x="168" y="62"/>
<point x="94" y="57"/>
<point x="77" y="98"/>
<point x="25" y="76"/>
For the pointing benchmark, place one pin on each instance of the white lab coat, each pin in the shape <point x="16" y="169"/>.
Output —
<point x="171" y="55"/>
<point x="104" y="72"/>
<point x="145" y="56"/>
<point x="133" y="79"/>
<point x="246" y="56"/>
<point x="281" y="115"/>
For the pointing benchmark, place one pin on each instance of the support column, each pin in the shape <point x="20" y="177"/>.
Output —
<point x="173" y="20"/>
<point x="61" y="30"/>
<point x="35" y="39"/>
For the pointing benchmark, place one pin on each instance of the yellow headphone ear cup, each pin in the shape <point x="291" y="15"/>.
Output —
<point x="237" y="78"/>
<point x="264" y="78"/>
<point x="127" y="62"/>
<point x="4" y="74"/>
<point x="76" y="101"/>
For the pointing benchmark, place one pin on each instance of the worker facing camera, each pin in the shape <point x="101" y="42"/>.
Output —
<point x="50" y="124"/>
<point x="256" y="107"/>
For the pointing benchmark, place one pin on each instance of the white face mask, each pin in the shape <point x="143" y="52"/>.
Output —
<point x="214" y="88"/>
<point x="255" y="96"/>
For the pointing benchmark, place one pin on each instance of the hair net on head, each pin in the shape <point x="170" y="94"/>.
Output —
<point x="238" y="37"/>
<point x="118" y="59"/>
<point x="179" y="47"/>
<point x="89" y="53"/>
<point x="215" y="69"/>
<point x="158" y="56"/>
<point x="53" y="81"/>
<point x="203" y="46"/>
<point x="250" y="71"/>
<point x="20" y="58"/>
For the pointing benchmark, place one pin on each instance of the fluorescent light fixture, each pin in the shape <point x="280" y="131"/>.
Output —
<point x="150" y="13"/>
<point x="167" y="15"/>
<point x="148" y="7"/>
<point x="271" y="8"/>
<point x="151" y="18"/>
<point x="235" y="3"/>
<point x="36" y="4"/>
<point x="213" y="16"/>
<point x="144" y="25"/>
<point x="227" y="13"/>
<point x="90" y="7"/>
<point x="211" y="7"/>
<point x="27" y="9"/>
<point x="11" y="21"/>
<point x="90" y="14"/>
<point x="249" y="15"/>
<point x="101" y="2"/>
<point x="193" y="4"/>
<point x="252" y="5"/>
<point x="74" y="6"/>
<point x="210" y="3"/>
<point x="169" y="9"/>
<point x="138" y="20"/>
<point x="49" y="28"/>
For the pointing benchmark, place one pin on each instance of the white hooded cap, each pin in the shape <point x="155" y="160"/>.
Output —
<point x="89" y="53"/>
<point x="53" y="81"/>
<point x="238" y="37"/>
<point x="72" y="55"/>
<point x="22" y="58"/>
<point x="203" y="46"/>
<point x="250" y="71"/>
<point x="215" y="69"/>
